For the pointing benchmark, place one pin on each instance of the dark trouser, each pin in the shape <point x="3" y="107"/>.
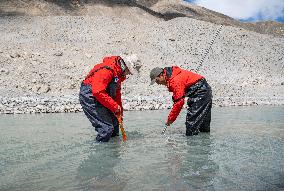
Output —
<point x="199" y="104"/>
<point x="102" y="119"/>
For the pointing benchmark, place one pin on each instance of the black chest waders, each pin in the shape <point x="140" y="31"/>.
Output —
<point x="199" y="101"/>
<point x="101" y="118"/>
<point x="199" y="104"/>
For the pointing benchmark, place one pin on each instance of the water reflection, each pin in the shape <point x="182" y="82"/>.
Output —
<point x="244" y="151"/>
<point x="198" y="168"/>
<point x="190" y="165"/>
<point x="96" y="172"/>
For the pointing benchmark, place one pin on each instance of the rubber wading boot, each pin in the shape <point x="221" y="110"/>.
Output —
<point x="191" y="132"/>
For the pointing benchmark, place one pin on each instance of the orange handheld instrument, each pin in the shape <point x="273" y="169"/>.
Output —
<point x="119" y="118"/>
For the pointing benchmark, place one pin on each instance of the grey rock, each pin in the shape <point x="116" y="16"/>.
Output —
<point x="58" y="53"/>
<point x="35" y="88"/>
<point x="15" y="55"/>
<point x="44" y="89"/>
<point x="88" y="55"/>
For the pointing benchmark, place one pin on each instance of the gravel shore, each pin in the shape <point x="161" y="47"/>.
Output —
<point x="44" y="59"/>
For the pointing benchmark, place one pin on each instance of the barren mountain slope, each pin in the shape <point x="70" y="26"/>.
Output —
<point x="44" y="59"/>
<point x="163" y="9"/>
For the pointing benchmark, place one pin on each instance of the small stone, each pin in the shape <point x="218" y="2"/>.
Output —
<point x="282" y="83"/>
<point x="88" y="55"/>
<point x="44" y="89"/>
<point x="59" y="53"/>
<point x="4" y="71"/>
<point x="16" y="55"/>
<point x="72" y="86"/>
<point x="35" y="88"/>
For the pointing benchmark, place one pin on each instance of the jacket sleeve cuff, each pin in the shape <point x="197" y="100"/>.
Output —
<point x="175" y="110"/>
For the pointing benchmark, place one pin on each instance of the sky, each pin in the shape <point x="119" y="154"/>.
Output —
<point x="246" y="10"/>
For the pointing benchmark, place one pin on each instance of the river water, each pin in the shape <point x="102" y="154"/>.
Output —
<point x="244" y="151"/>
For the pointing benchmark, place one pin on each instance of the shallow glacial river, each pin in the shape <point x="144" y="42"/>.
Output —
<point x="244" y="151"/>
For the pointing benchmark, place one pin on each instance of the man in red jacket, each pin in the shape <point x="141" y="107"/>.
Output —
<point x="183" y="84"/>
<point x="100" y="96"/>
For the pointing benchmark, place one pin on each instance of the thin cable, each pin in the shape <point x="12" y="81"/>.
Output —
<point x="207" y="50"/>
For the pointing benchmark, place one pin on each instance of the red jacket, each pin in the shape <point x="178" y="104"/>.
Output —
<point x="101" y="79"/>
<point x="178" y="80"/>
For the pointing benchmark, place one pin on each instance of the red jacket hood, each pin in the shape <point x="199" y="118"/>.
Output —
<point x="112" y="61"/>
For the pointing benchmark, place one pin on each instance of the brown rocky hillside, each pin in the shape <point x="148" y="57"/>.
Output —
<point x="161" y="9"/>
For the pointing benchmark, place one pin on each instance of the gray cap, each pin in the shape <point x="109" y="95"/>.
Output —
<point x="155" y="72"/>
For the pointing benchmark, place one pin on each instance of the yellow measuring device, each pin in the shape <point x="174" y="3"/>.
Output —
<point x="120" y="122"/>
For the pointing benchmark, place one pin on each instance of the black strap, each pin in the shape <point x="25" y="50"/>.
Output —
<point x="176" y="100"/>
<point x="188" y="92"/>
<point x="94" y="71"/>
<point x="169" y="71"/>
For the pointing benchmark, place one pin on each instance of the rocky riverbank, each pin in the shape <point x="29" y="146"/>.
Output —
<point x="44" y="59"/>
<point x="30" y="105"/>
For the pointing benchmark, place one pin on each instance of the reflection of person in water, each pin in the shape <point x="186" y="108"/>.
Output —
<point x="192" y="169"/>
<point x="97" y="171"/>
<point x="198" y="168"/>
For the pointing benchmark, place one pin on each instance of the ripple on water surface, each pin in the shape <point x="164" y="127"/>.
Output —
<point x="244" y="151"/>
